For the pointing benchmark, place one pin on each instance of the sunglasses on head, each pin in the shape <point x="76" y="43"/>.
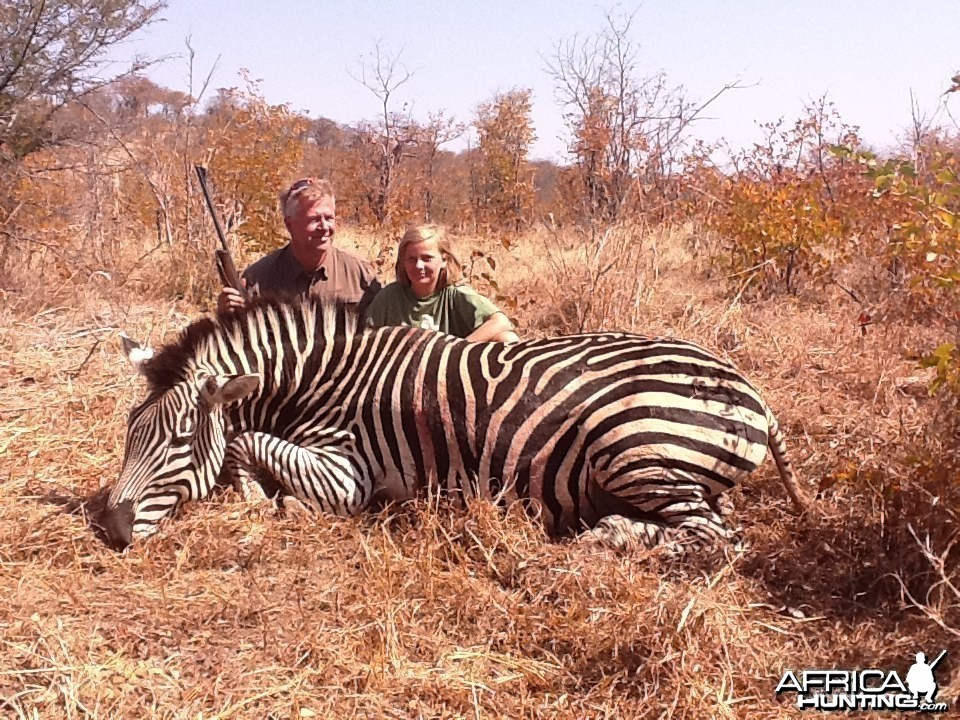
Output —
<point x="300" y="185"/>
<point x="296" y="188"/>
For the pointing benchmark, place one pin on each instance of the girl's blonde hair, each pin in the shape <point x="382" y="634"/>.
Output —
<point x="452" y="274"/>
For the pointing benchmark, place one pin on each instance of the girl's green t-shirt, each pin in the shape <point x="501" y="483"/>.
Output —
<point x="456" y="310"/>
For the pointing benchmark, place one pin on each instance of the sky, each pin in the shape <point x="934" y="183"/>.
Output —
<point x="865" y="55"/>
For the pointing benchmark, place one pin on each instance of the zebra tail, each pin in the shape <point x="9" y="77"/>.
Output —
<point x="778" y="449"/>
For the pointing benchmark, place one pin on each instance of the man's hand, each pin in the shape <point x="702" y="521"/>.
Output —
<point x="230" y="299"/>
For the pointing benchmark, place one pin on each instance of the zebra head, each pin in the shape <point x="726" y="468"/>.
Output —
<point x="174" y="449"/>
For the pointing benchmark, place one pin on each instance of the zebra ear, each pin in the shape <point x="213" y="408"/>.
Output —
<point x="136" y="352"/>
<point x="225" y="389"/>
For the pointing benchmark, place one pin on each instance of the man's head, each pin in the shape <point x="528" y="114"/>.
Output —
<point x="310" y="214"/>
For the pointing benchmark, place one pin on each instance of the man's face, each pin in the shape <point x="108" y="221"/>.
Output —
<point x="313" y="224"/>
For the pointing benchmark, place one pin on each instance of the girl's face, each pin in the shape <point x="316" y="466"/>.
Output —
<point x="423" y="262"/>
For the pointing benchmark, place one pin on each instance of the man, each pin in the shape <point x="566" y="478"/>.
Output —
<point x="309" y="262"/>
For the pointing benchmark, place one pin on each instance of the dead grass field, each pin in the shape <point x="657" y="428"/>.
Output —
<point x="430" y="611"/>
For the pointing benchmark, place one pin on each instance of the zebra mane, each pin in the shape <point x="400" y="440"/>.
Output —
<point x="173" y="361"/>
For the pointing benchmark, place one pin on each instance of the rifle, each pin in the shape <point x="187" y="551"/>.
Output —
<point x="225" y="267"/>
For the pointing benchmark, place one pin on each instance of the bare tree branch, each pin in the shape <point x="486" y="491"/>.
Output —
<point x="50" y="52"/>
<point x="627" y="129"/>
<point x="383" y="74"/>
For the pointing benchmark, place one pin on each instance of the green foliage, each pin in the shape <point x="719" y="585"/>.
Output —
<point x="920" y="200"/>
<point x="947" y="362"/>
<point x="922" y="204"/>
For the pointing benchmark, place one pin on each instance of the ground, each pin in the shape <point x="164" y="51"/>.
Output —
<point x="432" y="610"/>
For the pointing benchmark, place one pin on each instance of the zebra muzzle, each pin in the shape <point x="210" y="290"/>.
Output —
<point x="117" y="524"/>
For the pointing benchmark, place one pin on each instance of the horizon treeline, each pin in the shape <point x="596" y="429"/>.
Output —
<point x="98" y="174"/>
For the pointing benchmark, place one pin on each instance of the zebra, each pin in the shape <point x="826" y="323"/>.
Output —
<point x="625" y="439"/>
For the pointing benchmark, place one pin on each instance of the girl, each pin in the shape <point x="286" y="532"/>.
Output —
<point x="428" y="293"/>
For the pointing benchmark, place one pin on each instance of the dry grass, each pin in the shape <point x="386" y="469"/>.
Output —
<point x="432" y="611"/>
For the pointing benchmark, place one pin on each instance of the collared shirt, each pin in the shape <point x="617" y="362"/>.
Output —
<point x="343" y="276"/>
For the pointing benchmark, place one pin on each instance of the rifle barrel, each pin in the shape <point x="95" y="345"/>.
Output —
<point x="225" y="267"/>
<point x="202" y="176"/>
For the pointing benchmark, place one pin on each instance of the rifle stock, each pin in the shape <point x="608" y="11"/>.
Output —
<point x="228" y="271"/>
<point x="225" y="265"/>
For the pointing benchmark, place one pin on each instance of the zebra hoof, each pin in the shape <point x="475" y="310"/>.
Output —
<point x="251" y="491"/>
<point x="623" y="535"/>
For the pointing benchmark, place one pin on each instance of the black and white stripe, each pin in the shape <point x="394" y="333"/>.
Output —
<point x="632" y="436"/>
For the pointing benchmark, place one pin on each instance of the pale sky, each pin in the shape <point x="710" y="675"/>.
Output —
<point x="866" y="55"/>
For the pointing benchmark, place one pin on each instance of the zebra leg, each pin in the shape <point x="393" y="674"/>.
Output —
<point x="320" y="478"/>
<point x="253" y="482"/>
<point x="248" y="482"/>
<point x="676" y="517"/>
<point x="626" y="534"/>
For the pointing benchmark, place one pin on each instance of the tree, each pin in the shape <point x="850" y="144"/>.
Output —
<point x="385" y="142"/>
<point x="503" y="182"/>
<point x="254" y="150"/>
<point x="627" y="128"/>
<point x="49" y="55"/>
<point x="438" y="131"/>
